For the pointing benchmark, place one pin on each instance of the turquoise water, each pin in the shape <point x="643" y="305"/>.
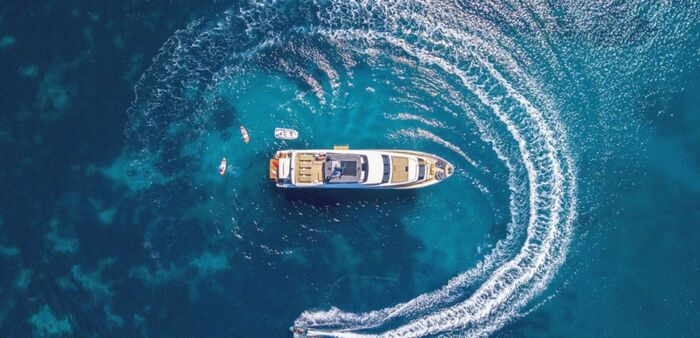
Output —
<point x="572" y="212"/>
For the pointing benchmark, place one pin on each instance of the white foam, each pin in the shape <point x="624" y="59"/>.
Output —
<point x="422" y="133"/>
<point x="440" y="39"/>
<point x="414" y="117"/>
<point x="551" y="187"/>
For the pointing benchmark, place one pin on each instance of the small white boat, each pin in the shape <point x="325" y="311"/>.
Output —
<point x="222" y="167"/>
<point x="244" y="134"/>
<point x="299" y="332"/>
<point x="286" y="134"/>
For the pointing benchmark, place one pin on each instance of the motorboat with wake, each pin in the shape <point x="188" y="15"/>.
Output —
<point x="222" y="167"/>
<point x="304" y="332"/>
<point x="357" y="169"/>
<point x="299" y="332"/>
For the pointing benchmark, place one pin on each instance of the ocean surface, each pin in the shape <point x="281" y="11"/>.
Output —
<point x="574" y="127"/>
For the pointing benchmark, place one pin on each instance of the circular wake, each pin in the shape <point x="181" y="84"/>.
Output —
<point x="436" y="40"/>
<point x="455" y="68"/>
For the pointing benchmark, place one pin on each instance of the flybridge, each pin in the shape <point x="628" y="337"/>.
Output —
<point x="345" y="168"/>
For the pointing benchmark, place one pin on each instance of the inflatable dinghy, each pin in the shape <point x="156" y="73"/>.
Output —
<point x="286" y="134"/>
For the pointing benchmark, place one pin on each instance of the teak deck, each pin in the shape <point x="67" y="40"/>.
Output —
<point x="399" y="169"/>
<point x="308" y="169"/>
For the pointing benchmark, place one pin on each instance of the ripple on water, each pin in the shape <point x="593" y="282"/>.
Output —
<point x="449" y="85"/>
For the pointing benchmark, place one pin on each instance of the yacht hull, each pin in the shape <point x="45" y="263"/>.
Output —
<point x="342" y="168"/>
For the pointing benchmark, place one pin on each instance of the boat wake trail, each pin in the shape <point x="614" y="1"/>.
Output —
<point x="457" y="67"/>
<point x="509" y="283"/>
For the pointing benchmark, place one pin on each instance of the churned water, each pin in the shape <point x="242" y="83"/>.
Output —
<point x="573" y="211"/>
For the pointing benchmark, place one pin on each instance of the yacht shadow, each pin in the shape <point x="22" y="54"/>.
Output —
<point x="323" y="197"/>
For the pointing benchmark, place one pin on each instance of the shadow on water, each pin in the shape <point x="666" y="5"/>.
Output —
<point x="324" y="197"/>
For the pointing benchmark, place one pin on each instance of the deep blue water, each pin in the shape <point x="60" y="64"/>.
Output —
<point x="574" y="128"/>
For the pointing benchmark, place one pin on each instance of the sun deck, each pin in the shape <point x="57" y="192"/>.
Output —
<point x="309" y="168"/>
<point x="399" y="169"/>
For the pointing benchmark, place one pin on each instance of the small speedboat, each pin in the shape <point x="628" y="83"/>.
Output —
<point x="298" y="332"/>
<point x="222" y="167"/>
<point x="286" y="134"/>
<point x="244" y="133"/>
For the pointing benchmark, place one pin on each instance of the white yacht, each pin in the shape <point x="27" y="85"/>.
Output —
<point x="357" y="169"/>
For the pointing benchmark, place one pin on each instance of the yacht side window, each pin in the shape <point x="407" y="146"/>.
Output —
<point x="387" y="168"/>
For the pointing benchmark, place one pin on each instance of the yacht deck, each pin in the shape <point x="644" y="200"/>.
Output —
<point x="399" y="169"/>
<point x="309" y="168"/>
